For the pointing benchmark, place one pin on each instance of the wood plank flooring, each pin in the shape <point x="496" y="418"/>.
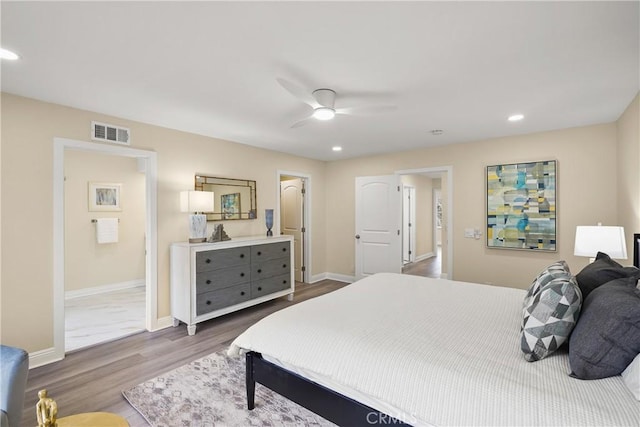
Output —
<point x="92" y="379"/>
<point x="430" y="267"/>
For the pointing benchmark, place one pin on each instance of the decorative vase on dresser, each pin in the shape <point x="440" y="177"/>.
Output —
<point x="212" y="279"/>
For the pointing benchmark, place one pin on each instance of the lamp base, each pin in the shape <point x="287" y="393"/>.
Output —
<point x="197" y="228"/>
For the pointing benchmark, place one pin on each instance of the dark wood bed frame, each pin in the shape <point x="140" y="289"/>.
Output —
<point x="327" y="403"/>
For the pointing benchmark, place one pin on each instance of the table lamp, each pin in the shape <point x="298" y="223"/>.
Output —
<point x="593" y="239"/>
<point x="197" y="202"/>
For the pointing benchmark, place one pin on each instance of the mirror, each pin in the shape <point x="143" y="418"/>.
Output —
<point x="232" y="198"/>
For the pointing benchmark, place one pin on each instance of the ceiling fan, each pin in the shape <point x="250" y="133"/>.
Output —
<point x="323" y="103"/>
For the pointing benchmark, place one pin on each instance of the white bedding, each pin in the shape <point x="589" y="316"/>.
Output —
<point x="434" y="352"/>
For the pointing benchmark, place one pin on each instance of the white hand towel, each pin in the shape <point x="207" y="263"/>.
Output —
<point x="107" y="230"/>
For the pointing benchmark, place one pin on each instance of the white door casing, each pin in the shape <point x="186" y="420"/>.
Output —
<point x="377" y="225"/>
<point x="149" y="159"/>
<point x="292" y="219"/>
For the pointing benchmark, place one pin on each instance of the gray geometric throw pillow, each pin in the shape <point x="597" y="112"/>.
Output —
<point x="549" y="317"/>
<point x="555" y="270"/>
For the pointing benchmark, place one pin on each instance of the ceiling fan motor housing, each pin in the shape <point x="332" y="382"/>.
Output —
<point x="325" y="97"/>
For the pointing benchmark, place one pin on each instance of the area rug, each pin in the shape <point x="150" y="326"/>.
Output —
<point x="211" y="392"/>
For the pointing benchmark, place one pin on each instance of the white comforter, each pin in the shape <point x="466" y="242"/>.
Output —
<point x="434" y="352"/>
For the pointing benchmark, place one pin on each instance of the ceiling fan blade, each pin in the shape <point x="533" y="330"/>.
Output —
<point x="302" y="122"/>
<point x="298" y="92"/>
<point x="366" y="110"/>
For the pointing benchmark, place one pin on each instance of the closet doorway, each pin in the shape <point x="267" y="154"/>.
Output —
<point x="294" y="218"/>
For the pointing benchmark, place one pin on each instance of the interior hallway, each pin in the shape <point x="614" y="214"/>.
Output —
<point x="430" y="267"/>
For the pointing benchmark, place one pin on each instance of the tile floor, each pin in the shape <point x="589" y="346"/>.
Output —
<point x="103" y="317"/>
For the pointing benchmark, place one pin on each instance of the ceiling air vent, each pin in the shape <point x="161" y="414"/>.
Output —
<point x="110" y="133"/>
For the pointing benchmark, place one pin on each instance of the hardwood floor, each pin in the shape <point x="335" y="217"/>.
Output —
<point x="430" y="267"/>
<point x="92" y="379"/>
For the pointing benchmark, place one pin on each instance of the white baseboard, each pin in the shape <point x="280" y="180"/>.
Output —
<point x="332" y="276"/>
<point x="43" y="357"/>
<point x="424" y="256"/>
<point x="95" y="290"/>
<point x="444" y="276"/>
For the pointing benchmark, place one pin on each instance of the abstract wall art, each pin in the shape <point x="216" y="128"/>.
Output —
<point x="522" y="206"/>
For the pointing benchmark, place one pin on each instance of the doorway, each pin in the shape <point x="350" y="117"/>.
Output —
<point x="294" y="218"/>
<point x="387" y="255"/>
<point x="104" y="248"/>
<point x="147" y="163"/>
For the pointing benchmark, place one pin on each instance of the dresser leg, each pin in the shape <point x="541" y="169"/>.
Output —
<point x="176" y="322"/>
<point x="290" y="297"/>
<point x="191" y="329"/>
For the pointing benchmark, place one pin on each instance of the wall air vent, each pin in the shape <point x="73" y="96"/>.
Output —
<point x="110" y="133"/>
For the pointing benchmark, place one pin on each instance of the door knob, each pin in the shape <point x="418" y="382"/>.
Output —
<point x="357" y="236"/>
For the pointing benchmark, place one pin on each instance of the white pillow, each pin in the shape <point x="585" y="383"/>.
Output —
<point x="631" y="377"/>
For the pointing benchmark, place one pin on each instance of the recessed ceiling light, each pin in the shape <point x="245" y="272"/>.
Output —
<point x="337" y="148"/>
<point x="515" y="117"/>
<point x="7" y="54"/>
<point x="324" y="113"/>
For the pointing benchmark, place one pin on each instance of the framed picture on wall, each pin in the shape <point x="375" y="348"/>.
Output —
<point x="230" y="204"/>
<point x="104" y="196"/>
<point x="521" y="206"/>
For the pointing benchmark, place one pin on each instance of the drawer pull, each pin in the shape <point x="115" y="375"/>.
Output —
<point x="259" y="288"/>
<point x="284" y="282"/>
<point x="241" y="255"/>
<point x="208" y="302"/>
<point x="259" y="270"/>
<point x="242" y="293"/>
<point x="208" y="282"/>
<point x="259" y="253"/>
<point x="241" y="274"/>
<point x="284" y="265"/>
<point x="208" y="261"/>
<point x="284" y="249"/>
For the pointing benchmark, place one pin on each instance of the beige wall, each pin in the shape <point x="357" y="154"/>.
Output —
<point x="28" y="129"/>
<point x="594" y="161"/>
<point x="87" y="263"/>
<point x="587" y="163"/>
<point x="628" y="128"/>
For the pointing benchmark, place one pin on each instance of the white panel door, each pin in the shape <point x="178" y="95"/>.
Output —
<point x="378" y="221"/>
<point x="292" y="220"/>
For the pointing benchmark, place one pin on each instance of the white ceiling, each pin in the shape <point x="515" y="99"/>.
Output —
<point x="210" y="67"/>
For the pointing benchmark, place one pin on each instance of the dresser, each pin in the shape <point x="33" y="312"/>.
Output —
<point x="212" y="279"/>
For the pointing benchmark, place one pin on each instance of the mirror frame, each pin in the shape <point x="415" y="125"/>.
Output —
<point x="251" y="213"/>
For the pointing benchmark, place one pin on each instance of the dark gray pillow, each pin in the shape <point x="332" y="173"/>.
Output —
<point x="601" y="271"/>
<point x="607" y="337"/>
<point x="550" y="312"/>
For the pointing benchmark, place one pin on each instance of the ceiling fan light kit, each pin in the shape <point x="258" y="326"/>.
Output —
<point x="324" y="113"/>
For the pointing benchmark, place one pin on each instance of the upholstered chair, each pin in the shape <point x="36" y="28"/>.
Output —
<point x="15" y="368"/>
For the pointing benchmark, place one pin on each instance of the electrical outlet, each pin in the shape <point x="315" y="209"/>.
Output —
<point x="469" y="233"/>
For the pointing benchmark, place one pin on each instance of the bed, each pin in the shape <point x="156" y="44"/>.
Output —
<point x="394" y="348"/>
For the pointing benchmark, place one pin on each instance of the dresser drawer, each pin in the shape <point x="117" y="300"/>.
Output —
<point x="270" y="285"/>
<point x="260" y="253"/>
<point x="221" y="258"/>
<point x="219" y="279"/>
<point x="210" y="301"/>
<point x="274" y="267"/>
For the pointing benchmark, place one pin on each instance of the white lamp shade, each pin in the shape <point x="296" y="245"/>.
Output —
<point x="593" y="239"/>
<point x="196" y="201"/>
